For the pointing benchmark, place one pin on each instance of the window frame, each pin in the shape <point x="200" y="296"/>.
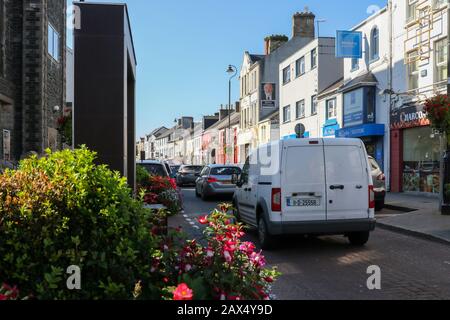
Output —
<point x="288" y="108"/>
<point x="414" y="73"/>
<point x="314" y="58"/>
<point x="300" y="109"/>
<point x="334" y="116"/>
<point x="440" y="65"/>
<point x="314" y="101"/>
<point x="374" y="44"/>
<point x="298" y="67"/>
<point x="411" y="4"/>
<point x="54" y="53"/>
<point x="286" y="75"/>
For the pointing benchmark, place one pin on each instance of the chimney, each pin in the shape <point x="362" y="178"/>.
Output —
<point x="303" y="24"/>
<point x="273" y="42"/>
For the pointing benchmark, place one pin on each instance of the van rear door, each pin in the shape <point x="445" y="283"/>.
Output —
<point x="303" y="181"/>
<point x="347" y="180"/>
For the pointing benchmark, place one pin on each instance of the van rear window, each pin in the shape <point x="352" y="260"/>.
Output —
<point x="304" y="165"/>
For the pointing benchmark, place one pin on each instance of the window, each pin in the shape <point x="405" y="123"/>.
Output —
<point x="374" y="44"/>
<point x="313" y="105"/>
<point x="355" y="64"/>
<point x="287" y="74"/>
<point x="411" y="10"/>
<point x="331" y="109"/>
<point x="53" y="43"/>
<point x="438" y="3"/>
<point x="313" y="58"/>
<point x="413" y="70"/>
<point x="287" y="114"/>
<point x="300" y="66"/>
<point x="440" y="60"/>
<point x="300" y="109"/>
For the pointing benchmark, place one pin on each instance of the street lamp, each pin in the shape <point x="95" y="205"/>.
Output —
<point x="232" y="71"/>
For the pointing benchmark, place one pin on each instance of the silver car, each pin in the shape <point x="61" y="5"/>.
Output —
<point x="216" y="180"/>
<point x="379" y="184"/>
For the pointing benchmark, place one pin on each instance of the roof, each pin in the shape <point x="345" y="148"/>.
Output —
<point x="256" y="57"/>
<point x="367" y="79"/>
<point x="331" y="88"/>
<point x="222" y="124"/>
<point x="166" y="133"/>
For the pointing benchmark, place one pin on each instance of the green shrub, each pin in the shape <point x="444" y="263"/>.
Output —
<point x="63" y="210"/>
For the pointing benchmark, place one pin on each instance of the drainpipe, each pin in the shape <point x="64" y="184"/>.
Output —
<point x="390" y="87"/>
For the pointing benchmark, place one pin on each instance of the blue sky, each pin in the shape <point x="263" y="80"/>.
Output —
<point x="184" y="47"/>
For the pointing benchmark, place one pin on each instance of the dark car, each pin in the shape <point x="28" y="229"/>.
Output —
<point x="155" y="168"/>
<point x="379" y="184"/>
<point x="187" y="175"/>
<point x="216" y="180"/>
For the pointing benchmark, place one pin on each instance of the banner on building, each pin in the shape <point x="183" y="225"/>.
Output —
<point x="268" y="95"/>
<point x="409" y="117"/>
<point x="6" y="145"/>
<point x="349" y="44"/>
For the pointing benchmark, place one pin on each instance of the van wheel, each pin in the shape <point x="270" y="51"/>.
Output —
<point x="266" y="240"/>
<point x="359" y="238"/>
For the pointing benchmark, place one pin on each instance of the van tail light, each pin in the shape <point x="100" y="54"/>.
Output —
<point x="371" y="198"/>
<point x="212" y="180"/>
<point x="381" y="177"/>
<point x="276" y="199"/>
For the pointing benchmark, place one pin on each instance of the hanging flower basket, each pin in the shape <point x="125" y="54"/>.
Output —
<point x="438" y="113"/>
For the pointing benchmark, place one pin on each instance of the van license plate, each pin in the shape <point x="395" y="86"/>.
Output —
<point x="303" y="202"/>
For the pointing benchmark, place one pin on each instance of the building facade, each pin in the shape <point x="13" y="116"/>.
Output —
<point x="259" y="89"/>
<point x="303" y="76"/>
<point x="32" y="75"/>
<point x="419" y="62"/>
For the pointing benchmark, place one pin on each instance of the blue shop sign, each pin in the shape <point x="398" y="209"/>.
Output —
<point x="348" y="44"/>
<point x="365" y="130"/>
<point x="330" y="128"/>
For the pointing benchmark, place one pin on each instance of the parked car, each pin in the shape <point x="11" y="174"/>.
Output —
<point x="315" y="187"/>
<point x="175" y="169"/>
<point x="154" y="167"/>
<point x="169" y="170"/>
<point x="187" y="175"/>
<point x="216" y="180"/>
<point x="379" y="184"/>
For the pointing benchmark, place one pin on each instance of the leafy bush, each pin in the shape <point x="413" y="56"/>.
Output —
<point x="63" y="210"/>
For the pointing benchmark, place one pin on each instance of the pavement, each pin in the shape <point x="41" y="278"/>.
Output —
<point x="416" y="215"/>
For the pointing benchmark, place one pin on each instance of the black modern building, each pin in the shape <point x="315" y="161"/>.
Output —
<point x="105" y="75"/>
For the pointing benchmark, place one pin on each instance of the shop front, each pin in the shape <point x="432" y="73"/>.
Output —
<point x="415" y="155"/>
<point x="359" y="110"/>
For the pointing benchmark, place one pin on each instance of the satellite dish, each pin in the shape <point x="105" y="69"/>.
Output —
<point x="300" y="131"/>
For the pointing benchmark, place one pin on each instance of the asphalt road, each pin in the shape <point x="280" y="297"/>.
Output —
<point x="329" y="268"/>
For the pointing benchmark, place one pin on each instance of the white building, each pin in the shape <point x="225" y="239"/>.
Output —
<point x="150" y="143"/>
<point x="303" y="76"/>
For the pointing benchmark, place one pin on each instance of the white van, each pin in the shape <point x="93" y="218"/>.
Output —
<point x="307" y="186"/>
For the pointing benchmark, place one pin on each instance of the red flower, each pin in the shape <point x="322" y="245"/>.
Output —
<point x="268" y="279"/>
<point x="3" y="297"/>
<point x="182" y="292"/>
<point x="203" y="219"/>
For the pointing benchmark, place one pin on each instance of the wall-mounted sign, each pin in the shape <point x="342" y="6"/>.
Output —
<point x="353" y="108"/>
<point x="6" y="145"/>
<point x="268" y="95"/>
<point x="409" y="117"/>
<point x="349" y="44"/>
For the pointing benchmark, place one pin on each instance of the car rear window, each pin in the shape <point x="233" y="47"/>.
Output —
<point x="191" y="169"/>
<point x="225" y="171"/>
<point x="155" y="169"/>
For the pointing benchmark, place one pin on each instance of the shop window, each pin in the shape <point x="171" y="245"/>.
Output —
<point x="421" y="160"/>
<point x="370" y="94"/>
<point x="440" y="60"/>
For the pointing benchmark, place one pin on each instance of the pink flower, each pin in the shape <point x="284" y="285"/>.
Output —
<point x="247" y="247"/>
<point x="227" y="256"/>
<point x="182" y="292"/>
<point x="203" y="219"/>
<point x="258" y="259"/>
<point x="209" y="252"/>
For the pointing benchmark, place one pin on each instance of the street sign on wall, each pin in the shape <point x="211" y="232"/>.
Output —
<point x="349" y="44"/>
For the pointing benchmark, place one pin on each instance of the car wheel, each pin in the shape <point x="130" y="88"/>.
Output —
<point x="359" y="238"/>
<point x="204" y="196"/>
<point x="236" y="212"/>
<point x="379" y="205"/>
<point x="266" y="240"/>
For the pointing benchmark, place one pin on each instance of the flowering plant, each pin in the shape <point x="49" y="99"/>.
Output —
<point x="65" y="129"/>
<point x="161" y="190"/>
<point x="8" y="293"/>
<point x="437" y="109"/>
<point x="220" y="267"/>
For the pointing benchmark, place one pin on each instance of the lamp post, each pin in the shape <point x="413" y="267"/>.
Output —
<point x="319" y="21"/>
<point x="232" y="71"/>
